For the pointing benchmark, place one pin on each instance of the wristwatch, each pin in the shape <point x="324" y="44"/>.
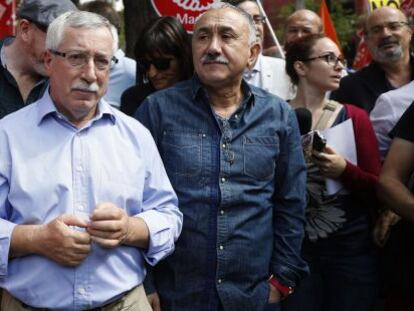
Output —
<point x="283" y="289"/>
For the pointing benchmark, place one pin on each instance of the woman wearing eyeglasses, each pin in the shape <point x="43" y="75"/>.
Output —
<point x="163" y="55"/>
<point x="337" y="244"/>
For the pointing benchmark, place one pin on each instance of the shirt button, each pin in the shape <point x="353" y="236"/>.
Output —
<point x="224" y="146"/>
<point x="81" y="291"/>
<point x="81" y="207"/>
<point x="79" y="168"/>
<point x="222" y="212"/>
<point x="221" y="247"/>
<point x="219" y="281"/>
<point x="223" y="179"/>
<point x="236" y="116"/>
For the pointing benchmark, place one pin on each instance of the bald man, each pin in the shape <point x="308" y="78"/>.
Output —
<point x="388" y="37"/>
<point x="301" y="23"/>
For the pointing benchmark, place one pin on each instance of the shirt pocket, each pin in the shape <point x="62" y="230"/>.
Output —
<point x="260" y="153"/>
<point x="181" y="153"/>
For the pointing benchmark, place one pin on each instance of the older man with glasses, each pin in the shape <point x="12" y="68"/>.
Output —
<point x="22" y="73"/>
<point x="388" y="37"/>
<point x="266" y="72"/>
<point x="84" y="197"/>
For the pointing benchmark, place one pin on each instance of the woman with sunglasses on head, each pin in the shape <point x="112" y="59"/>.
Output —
<point x="163" y="55"/>
<point x="337" y="245"/>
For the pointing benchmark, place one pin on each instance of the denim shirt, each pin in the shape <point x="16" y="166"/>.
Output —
<point x="241" y="188"/>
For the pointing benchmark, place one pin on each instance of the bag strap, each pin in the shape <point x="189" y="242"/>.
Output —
<point x="327" y="113"/>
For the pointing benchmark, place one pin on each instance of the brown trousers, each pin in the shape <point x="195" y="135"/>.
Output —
<point x="134" y="300"/>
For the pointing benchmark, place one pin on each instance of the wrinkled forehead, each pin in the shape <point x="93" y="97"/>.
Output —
<point x="385" y="15"/>
<point x="306" y="22"/>
<point x="85" y="38"/>
<point x="225" y="18"/>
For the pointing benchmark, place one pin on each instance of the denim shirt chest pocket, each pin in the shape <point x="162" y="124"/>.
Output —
<point x="181" y="153"/>
<point x="260" y="154"/>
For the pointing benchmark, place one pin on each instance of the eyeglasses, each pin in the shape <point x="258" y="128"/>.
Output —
<point x="330" y="58"/>
<point x="79" y="59"/>
<point x="392" y="26"/>
<point x="259" y="19"/>
<point x="158" y="63"/>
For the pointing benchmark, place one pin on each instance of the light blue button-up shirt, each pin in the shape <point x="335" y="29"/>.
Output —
<point x="48" y="167"/>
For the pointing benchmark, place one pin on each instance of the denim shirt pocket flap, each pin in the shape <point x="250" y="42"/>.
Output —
<point x="181" y="153"/>
<point x="260" y="154"/>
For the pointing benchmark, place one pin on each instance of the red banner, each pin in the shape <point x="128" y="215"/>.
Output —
<point x="186" y="11"/>
<point x="407" y="6"/>
<point x="7" y="15"/>
<point x="363" y="56"/>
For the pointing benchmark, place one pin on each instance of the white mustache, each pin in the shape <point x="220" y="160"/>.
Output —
<point x="212" y="58"/>
<point x="85" y="86"/>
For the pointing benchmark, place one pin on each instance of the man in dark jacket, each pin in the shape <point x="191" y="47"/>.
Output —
<point x="21" y="70"/>
<point x="388" y="37"/>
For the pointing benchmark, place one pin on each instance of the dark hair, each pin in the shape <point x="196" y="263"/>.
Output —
<point x="165" y="35"/>
<point x="104" y="9"/>
<point x="299" y="50"/>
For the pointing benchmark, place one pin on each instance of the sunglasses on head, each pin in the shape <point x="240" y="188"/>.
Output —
<point x="158" y="63"/>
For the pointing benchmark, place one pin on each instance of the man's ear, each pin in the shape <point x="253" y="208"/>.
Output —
<point x="47" y="58"/>
<point x="254" y="53"/>
<point x="25" y="30"/>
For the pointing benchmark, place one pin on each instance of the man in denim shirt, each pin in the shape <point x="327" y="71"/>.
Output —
<point x="233" y="154"/>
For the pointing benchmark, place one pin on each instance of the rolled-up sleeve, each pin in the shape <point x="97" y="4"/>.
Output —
<point x="160" y="208"/>
<point x="289" y="209"/>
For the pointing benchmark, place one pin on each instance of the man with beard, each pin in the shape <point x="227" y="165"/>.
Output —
<point x="388" y="37"/>
<point x="231" y="153"/>
<point x="21" y="70"/>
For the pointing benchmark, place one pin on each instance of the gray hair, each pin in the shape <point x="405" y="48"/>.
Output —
<point x="243" y="13"/>
<point x="76" y="19"/>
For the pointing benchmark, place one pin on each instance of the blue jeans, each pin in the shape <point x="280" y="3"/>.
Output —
<point x="343" y="277"/>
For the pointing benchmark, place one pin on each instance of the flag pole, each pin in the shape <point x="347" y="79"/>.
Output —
<point x="269" y="26"/>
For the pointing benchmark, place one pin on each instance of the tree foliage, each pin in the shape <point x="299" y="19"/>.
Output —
<point x="345" y="20"/>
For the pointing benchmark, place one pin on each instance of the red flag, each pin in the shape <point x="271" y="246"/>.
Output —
<point x="7" y="8"/>
<point x="363" y="56"/>
<point x="407" y="6"/>
<point x="327" y="23"/>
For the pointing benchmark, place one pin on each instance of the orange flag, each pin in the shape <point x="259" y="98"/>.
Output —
<point x="327" y="23"/>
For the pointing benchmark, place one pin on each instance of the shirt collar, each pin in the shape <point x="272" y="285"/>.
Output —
<point x="47" y="108"/>
<point x="6" y="41"/>
<point x="198" y="90"/>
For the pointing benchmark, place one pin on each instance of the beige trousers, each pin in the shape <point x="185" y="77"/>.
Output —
<point x="134" y="300"/>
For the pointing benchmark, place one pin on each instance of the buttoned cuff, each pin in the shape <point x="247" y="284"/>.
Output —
<point x="6" y="229"/>
<point x="162" y="235"/>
